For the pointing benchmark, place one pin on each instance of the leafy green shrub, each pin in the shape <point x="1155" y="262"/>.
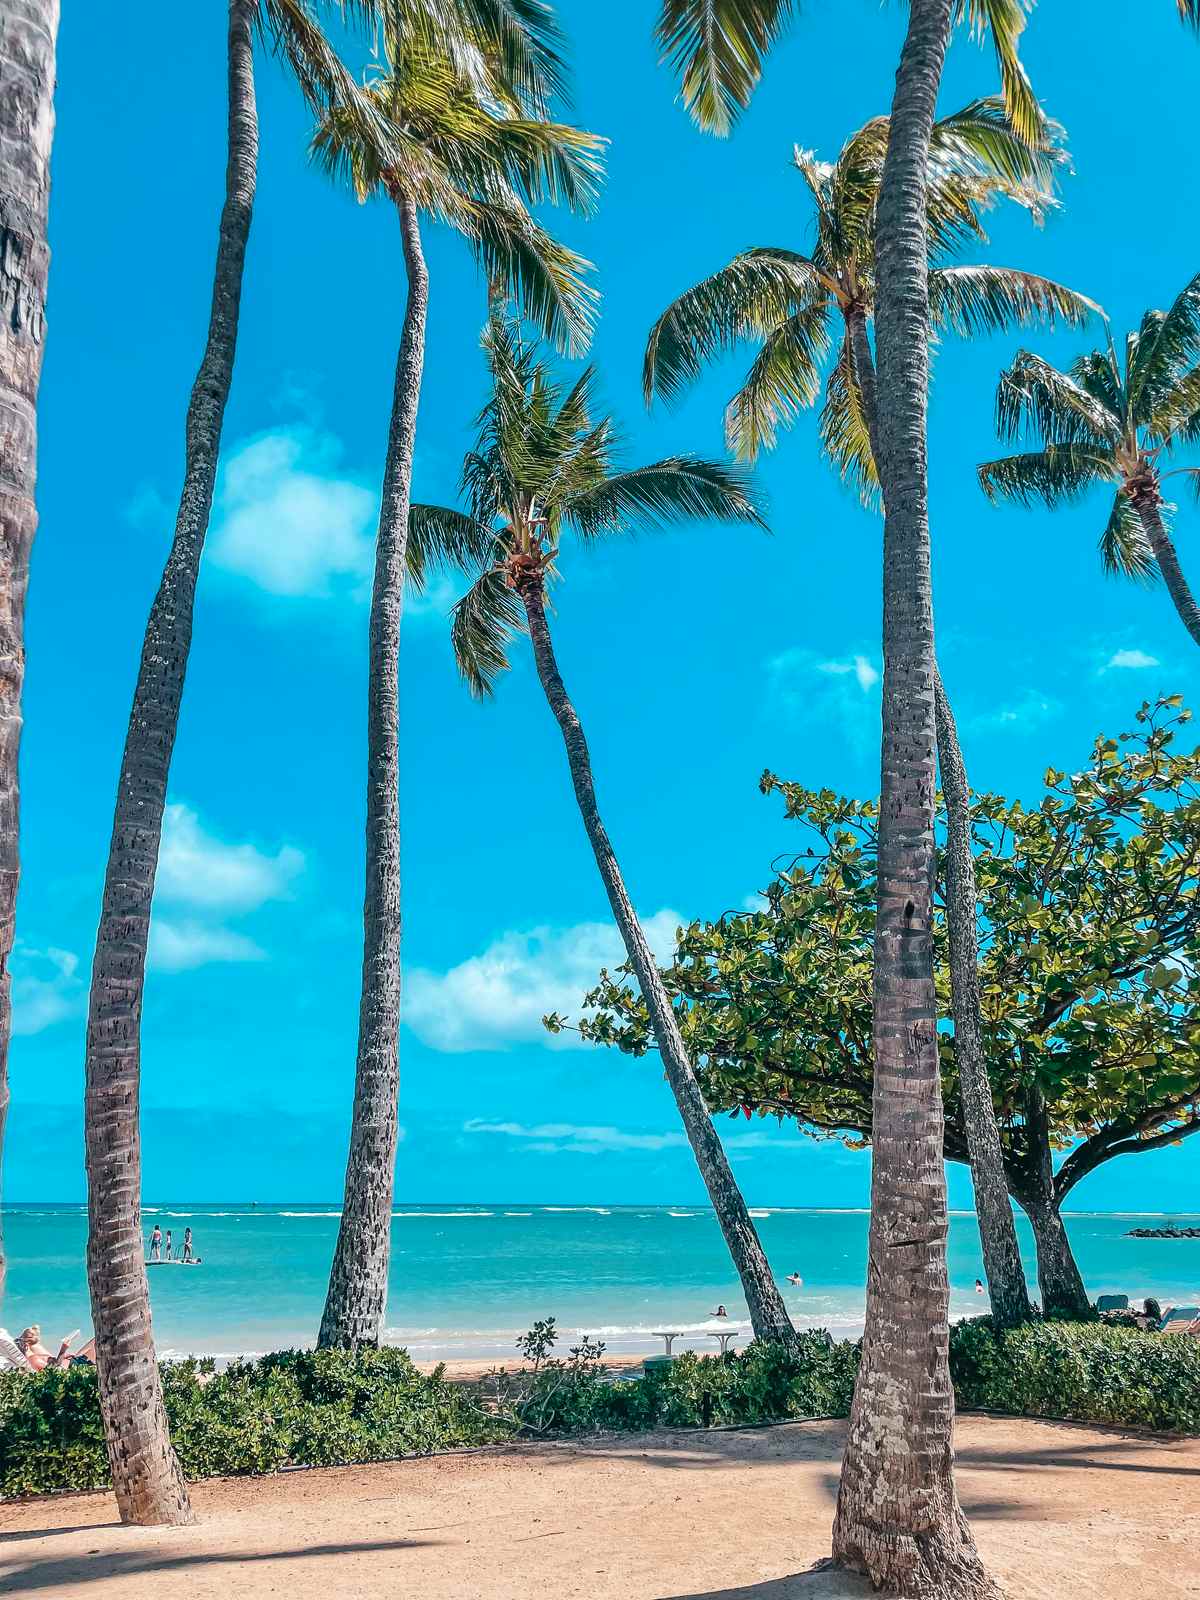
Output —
<point x="300" y="1407"/>
<point x="1090" y="1372"/>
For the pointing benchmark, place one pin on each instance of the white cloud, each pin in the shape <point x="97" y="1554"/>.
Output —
<point x="557" y="1138"/>
<point x="46" y="988"/>
<point x="1029" y="711"/>
<point x="1130" y="661"/>
<point x="497" y="998"/>
<point x="200" y="870"/>
<point x="180" y="946"/>
<point x="291" y="519"/>
<point x="865" y="674"/>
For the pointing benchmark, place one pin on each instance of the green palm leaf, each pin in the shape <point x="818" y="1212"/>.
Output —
<point x="784" y="377"/>
<point x="717" y="48"/>
<point x="1124" y="549"/>
<point x="845" y="436"/>
<point x="748" y="298"/>
<point x="1165" y="342"/>
<point x="542" y="275"/>
<point x="1057" y="475"/>
<point x="1034" y="394"/>
<point x="676" y="489"/>
<point x="441" y="537"/>
<point x="1189" y="11"/>
<point x="1005" y="20"/>
<point x="482" y="623"/>
<point x="975" y="300"/>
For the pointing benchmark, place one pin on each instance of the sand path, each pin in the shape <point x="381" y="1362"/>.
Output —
<point x="1060" y="1511"/>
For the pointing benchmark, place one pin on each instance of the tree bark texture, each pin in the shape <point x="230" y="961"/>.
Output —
<point x="997" y="1231"/>
<point x="146" y="1475"/>
<point x="898" y="1516"/>
<point x="1147" y="502"/>
<point x="28" y="34"/>
<point x="358" y="1279"/>
<point x="768" y="1315"/>
<point x="1062" y="1288"/>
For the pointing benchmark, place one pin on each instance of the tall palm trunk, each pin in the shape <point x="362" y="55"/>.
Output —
<point x="28" y="31"/>
<point x="1062" y="1288"/>
<point x="997" y="1231"/>
<point x="358" y="1279"/>
<point x="898" y="1517"/>
<point x="1147" y="502"/>
<point x="146" y="1475"/>
<point x="768" y="1314"/>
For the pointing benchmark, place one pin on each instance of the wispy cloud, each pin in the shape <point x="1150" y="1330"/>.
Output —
<point x="198" y="869"/>
<point x="1130" y="661"/>
<point x="46" y="988"/>
<point x="497" y="998"/>
<point x="556" y="1138"/>
<point x="209" y="879"/>
<point x="1028" y="710"/>
<point x="180" y="946"/>
<point x="291" y="519"/>
<point x="840" y="692"/>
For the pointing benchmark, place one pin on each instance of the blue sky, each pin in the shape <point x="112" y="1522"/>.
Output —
<point x="696" y="659"/>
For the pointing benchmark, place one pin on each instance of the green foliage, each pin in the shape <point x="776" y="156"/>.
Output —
<point x="1089" y="966"/>
<point x="316" y="1408"/>
<point x="1090" y="1372"/>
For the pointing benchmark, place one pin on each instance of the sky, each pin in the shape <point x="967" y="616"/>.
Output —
<point x="696" y="658"/>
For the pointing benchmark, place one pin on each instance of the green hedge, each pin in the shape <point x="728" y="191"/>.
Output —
<point x="325" y="1408"/>
<point x="316" y="1408"/>
<point x="1089" y="1372"/>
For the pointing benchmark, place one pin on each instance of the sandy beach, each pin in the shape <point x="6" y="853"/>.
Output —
<point x="1060" y="1511"/>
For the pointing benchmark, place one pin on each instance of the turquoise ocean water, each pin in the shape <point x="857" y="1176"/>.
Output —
<point x="465" y="1280"/>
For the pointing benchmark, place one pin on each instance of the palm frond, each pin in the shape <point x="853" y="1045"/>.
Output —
<point x="1098" y="374"/>
<point x="543" y="276"/>
<point x="1055" y="476"/>
<point x="1176" y="415"/>
<point x="1189" y="11"/>
<point x="676" y="489"/>
<point x="440" y="537"/>
<point x="1124" y="549"/>
<point x="1166" y="342"/>
<point x="845" y="435"/>
<point x="753" y="294"/>
<point x="482" y="623"/>
<point x="1005" y="20"/>
<point x="525" y="46"/>
<point x="717" y="49"/>
<point x="784" y="378"/>
<point x="982" y="138"/>
<point x="1034" y="394"/>
<point x="975" y="300"/>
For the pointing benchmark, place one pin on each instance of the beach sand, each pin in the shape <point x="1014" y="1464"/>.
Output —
<point x="1060" y="1511"/>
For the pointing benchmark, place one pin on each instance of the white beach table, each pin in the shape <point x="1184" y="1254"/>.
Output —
<point x="720" y="1330"/>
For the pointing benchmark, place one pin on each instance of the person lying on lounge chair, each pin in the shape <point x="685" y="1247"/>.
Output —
<point x="29" y="1342"/>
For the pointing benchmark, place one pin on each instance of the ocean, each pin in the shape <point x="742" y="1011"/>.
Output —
<point x="467" y="1279"/>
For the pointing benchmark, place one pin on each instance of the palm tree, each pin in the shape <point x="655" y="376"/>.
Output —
<point x="785" y="302"/>
<point x="146" y="1476"/>
<point x="466" y="149"/>
<point x="1189" y="11"/>
<point x="27" y="47"/>
<point x="1110" y="419"/>
<point x="541" y="465"/>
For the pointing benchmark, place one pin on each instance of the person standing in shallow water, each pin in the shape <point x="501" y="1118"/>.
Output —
<point x="156" y="1244"/>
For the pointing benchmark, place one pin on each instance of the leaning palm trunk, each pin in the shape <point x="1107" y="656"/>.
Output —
<point x="358" y="1279"/>
<point x="898" y="1517"/>
<point x="146" y="1476"/>
<point x="768" y="1314"/>
<point x="27" y="42"/>
<point x="1062" y="1288"/>
<point x="1147" y="502"/>
<point x="997" y="1231"/>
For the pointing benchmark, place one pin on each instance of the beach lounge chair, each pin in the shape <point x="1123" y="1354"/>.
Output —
<point x="1112" y="1302"/>
<point x="1180" y="1319"/>
<point x="12" y="1357"/>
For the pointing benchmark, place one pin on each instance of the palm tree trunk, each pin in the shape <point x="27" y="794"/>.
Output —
<point x="1062" y="1288"/>
<point x="898" y="1517"/>
<point x="997" y="1231"/>
<point x="28" y="33"/>
<point x="358" y="1279"/>
<point x="1147" y="502"/>
<point x="146" y="1476"/>
<point x="768" y="1314"/>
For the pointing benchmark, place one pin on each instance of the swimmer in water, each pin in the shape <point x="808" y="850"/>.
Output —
<point x="978" y="1285"/>
<point x="719" y="1312"/>
<point x="795" y="1279"/>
